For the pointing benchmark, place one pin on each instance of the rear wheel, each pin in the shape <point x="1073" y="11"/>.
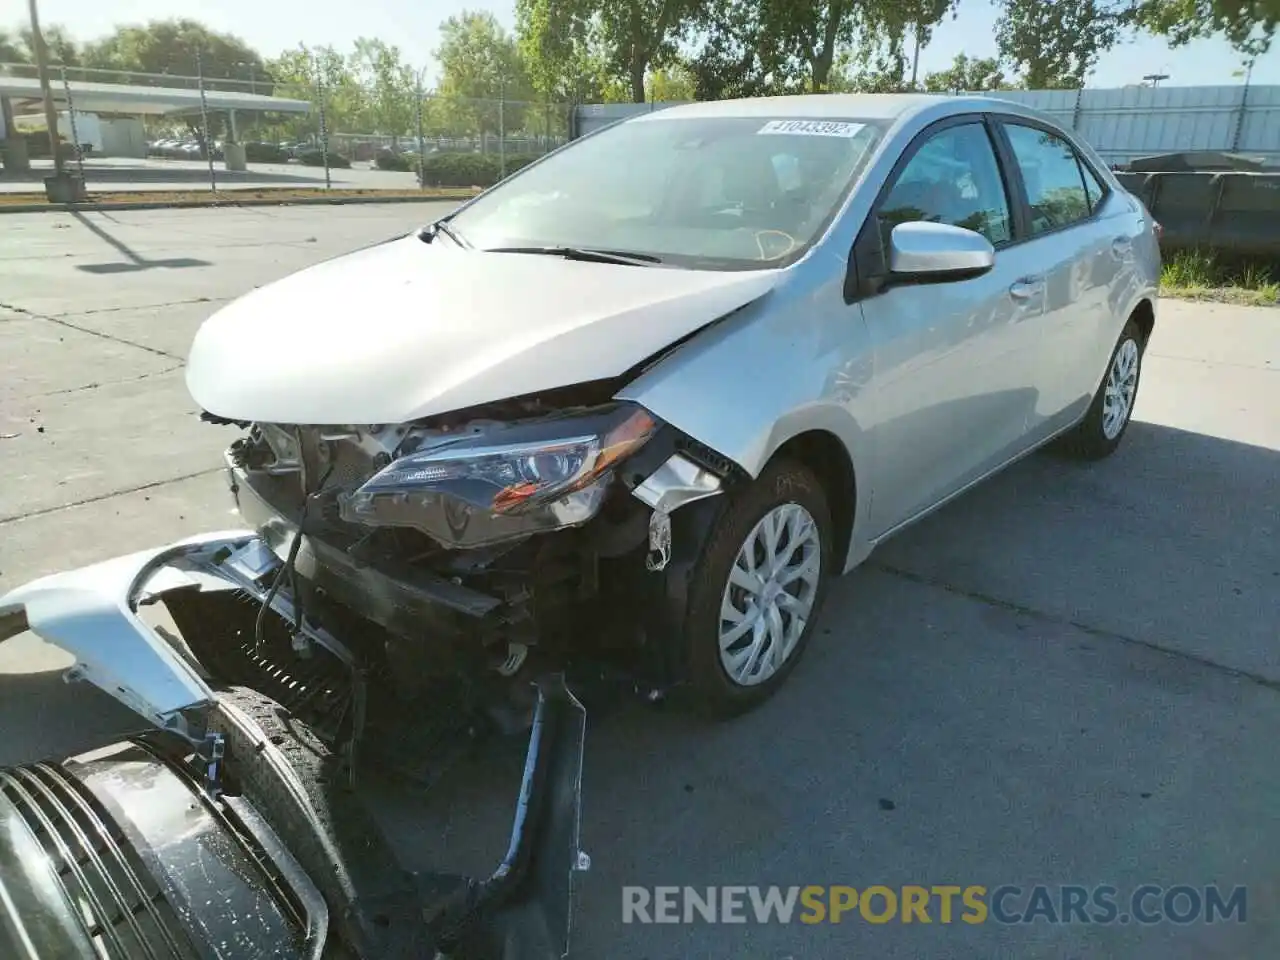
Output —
<point x="757" y="590"/>
<point x="1103" y="427"/>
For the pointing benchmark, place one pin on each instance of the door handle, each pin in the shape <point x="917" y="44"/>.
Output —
<point x="1025" y="288"/>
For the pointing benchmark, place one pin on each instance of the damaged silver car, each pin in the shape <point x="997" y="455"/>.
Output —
<point x="646" y="396"/>
<point x="614" y="424"/>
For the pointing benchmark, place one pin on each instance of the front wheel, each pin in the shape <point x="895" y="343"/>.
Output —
<point x="757" y="590"/>
<point x="1100" y="432"/>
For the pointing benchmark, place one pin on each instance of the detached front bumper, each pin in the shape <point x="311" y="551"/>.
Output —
<point x="297" y="783"/>
<point x="92" y="613"/>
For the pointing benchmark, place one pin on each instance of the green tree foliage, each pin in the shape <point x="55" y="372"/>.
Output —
<point x="779" y="46"/>
<point x="1056" y="45"/>
<point x="294" y="75"/>
<point x="63" y="49"/>
<point x="563" y="55"/>
<point x="668" y="84"/>
<point x="170" y="46"/>
<point x="18" y="46"/>
<point x="882" y="62"/>
<point x="1248" y="25"/>
<point x="388" y="87"/>
<point x="968" y="74"/>
<point x="630" y="37"/>
<point x="815" y="32"/>
<point x="741" y="50"/>
<point x="480" y="65"/>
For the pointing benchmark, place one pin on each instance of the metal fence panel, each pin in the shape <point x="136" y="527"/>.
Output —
<point x="1121" y="124"/>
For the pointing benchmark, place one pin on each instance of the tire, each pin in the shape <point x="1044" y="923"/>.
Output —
<point x="791" y="496"/>
<point x="1097" y="436"/>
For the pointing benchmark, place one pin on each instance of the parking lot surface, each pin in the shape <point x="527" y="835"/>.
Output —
<point x="120" y="173"/>
<point x="1070" y="676"/>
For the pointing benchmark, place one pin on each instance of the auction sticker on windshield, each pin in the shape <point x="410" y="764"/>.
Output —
<point x="813" y="128"/>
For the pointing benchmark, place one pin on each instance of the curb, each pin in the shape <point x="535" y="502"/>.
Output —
<point x="47" y="207"/>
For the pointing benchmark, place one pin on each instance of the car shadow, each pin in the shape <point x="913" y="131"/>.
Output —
<point x="1174" y="540"/>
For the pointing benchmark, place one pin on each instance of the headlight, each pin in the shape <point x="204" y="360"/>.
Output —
<point x="508" y="483"/>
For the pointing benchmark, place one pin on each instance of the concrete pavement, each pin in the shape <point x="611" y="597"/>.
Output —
<point x="118" y="173"/>
<point x="1069" y="676"/>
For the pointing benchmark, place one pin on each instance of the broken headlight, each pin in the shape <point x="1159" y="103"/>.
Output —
<point x="505" y="483"/>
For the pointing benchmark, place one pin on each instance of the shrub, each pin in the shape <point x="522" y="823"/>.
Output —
<point x="258" y="152"/>
<point x="388" y="160"/>
<point x="470" y="169"/>
<point x="314" y="157"/>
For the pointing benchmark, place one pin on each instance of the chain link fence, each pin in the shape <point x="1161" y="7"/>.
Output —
<point x="340" y="136"/>
<point x="456" y="141"/>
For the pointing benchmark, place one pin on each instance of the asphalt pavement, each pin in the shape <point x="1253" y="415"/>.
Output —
<point x="1069" y="677"/>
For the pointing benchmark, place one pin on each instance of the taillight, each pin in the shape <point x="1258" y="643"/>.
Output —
<point x="1157" y="230"/>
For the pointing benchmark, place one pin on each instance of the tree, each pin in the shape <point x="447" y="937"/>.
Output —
<point x="1057" y="45"/>
<point x="562" y="54"/>
<point x="968" y="74"/>
<point x="743" y="51"/>
<point x="19" y="47"/>
<point x="668" y="84"/>
<point x="293" y="75"/>
<point x="170" y="46"/>
<point x="633" y="36"/>
<point x="479" y="67"/>
<point x="873" y="31"/>
<point x="388" y="87"/>
<point x="57" y="41"/>
<point x="869" y="71"/>
<point x="816" y="31"/>
<point x="921" y="17"/>
<point x="1248" y="25"/>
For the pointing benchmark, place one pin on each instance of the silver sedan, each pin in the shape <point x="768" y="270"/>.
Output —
<point x="668" y="381"/>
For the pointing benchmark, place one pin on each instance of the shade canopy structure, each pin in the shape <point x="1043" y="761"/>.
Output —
<point x="24" y="92"/>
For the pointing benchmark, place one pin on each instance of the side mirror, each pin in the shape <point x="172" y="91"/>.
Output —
<point x="923" y="252"/>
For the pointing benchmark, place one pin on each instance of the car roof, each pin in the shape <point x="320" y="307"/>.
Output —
<point x="861" y="106"/>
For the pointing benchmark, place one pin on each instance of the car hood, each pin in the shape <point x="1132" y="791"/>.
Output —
<point x="406" y="329"/>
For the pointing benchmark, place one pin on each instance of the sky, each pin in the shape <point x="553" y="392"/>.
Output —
<point x="275" y="25"/>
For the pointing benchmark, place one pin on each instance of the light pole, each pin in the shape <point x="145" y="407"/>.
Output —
<point x="46" y="89"/>
<point x="1155" y="78"/>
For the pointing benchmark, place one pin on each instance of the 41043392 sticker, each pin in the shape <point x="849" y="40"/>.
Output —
<point x="812" y="128"/>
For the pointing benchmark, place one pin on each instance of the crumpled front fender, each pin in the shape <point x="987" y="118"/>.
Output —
<point x="92" y="614"/>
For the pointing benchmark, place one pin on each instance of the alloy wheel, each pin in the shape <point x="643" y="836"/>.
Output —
<point x="1122" y="383"/>
<point x="770" y="595"/>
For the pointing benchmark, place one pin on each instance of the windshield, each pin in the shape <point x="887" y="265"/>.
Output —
<point x="715" y="193"/>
